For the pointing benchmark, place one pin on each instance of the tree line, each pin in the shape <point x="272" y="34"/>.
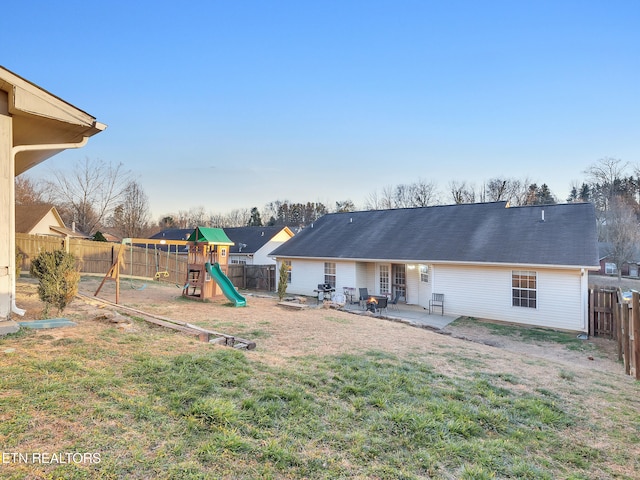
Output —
<point x="102" y="196"/>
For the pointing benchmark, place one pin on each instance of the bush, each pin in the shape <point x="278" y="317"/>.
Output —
<point x="19" y="257"/>
<point x="282" y="281"/>
<point x="58" y="278"/>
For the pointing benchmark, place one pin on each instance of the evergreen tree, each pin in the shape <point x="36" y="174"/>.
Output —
<point x="255" y="220"/>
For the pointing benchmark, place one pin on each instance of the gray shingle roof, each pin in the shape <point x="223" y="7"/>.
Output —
<point x="480" y="232"/>
<point x="250" y="239"/>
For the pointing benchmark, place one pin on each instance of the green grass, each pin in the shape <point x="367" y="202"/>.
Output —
<point x="220" y="413"/>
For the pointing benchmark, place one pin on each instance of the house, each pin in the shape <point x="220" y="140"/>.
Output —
<point x="174" y="234"/>
<point x="34" y="126"/>
<point x="254" y="244"/>
<point x="526" y="265"/>
<point x="630" y="268"/>
<point x="43" y="219"/>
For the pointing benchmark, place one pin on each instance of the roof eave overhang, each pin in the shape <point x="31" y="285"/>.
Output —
<point x="445" y="262"/>
<point x="41" y="118"/>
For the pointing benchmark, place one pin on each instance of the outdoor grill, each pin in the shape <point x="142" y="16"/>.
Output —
<point x="324" y="291"/>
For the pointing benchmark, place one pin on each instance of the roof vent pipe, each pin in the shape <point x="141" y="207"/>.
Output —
<point x="542" y="219"/>
<point x="351" y="220"/>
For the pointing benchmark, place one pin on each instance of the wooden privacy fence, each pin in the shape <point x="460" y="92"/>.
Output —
<point x="612" y="316"/>
<point x="253" y="277"/>
<point x="627" y="322"/>
<point x="602" y="302"/>
<point x="97" y="257"/>
<point x="142" y="262"/>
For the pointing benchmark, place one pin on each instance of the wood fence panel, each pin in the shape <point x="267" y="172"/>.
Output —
<point x="236" y="273"/>
<point x="30" y="246"/>
<point x="630" y="333"/>
<point x="260" y="277"/>
<point x="253" y="277"/>
<point x="93" y="257"/>
<point x="625" y="337"/>
<point x="634" y="330"/>
<point x="602" y="303"/>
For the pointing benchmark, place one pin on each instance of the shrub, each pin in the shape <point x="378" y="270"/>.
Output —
<point x="58" y="277"/>
<point x="19" y="257"/>
<point x="282" y="281"/>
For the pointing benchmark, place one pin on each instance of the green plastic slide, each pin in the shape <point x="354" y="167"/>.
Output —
<point x="228" y="288"/>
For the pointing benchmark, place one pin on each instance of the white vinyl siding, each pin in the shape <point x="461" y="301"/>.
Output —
<point x="307" y="274"/>
<point x="261" y="257"/>
<point x="486" y="292"/>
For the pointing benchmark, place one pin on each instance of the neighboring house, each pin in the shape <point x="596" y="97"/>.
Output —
<point x="174" y="234"/>
<point x="525" y="265"/>
<point x="630" y="268"/>
<point x="254" y="244"/>
<point x="34" y="126"/>
<point x="43" y="219"/>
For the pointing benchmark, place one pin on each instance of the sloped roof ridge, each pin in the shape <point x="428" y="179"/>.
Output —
<point x="564" y="204"/>
<point x="498" y="202"/>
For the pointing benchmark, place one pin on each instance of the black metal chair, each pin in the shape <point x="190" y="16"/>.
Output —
<point x="382" y="303"/>
<point x="364" y="296"/>
<point x="393" y="304"/>
<point x="437" y="301"/>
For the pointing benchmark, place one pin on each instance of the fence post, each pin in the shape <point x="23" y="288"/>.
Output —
<point x="619" y="308"/>
<point x="592" y="313"/>
<point x="635" y="329"/>
<point x="625" y="338"/>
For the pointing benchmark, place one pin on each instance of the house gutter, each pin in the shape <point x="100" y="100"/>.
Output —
<point x="441" y="262"/>
<point x="12" y="199"/>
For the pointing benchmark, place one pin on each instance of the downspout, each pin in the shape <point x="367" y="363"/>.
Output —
<point x="12" y="214"/>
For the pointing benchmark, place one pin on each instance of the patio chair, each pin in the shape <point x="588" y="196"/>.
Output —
<point x="382" y="303"/>
<point x="349" y="294"/>
<point x="437" y="301"/>
<point x="364" y="296"/>
<point x="393" y="304"/>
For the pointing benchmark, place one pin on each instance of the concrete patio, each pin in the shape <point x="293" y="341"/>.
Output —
<point x="414" y="315"/>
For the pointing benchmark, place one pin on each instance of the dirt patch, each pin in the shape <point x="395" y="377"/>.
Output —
<point x="282" y="333"/>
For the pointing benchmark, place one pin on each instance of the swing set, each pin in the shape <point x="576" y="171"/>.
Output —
<point x="160" y="272"/>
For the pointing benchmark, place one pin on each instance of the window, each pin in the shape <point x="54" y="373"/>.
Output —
<point x="610" y="269"/>
<point x="288" y="264"/>
<point x="384" y="279"/>
<point x="424" y="273"/>
<point x="223" y="252"/>
<point x="330" y="273"/>
<point x="523" y="288"/>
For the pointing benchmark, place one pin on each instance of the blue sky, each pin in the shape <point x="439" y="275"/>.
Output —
<point x="232" y="104"/>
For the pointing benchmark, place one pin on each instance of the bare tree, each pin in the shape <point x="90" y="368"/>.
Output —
<point x="622" y="232"/>
<point x="131" y="217"/>
<point x="606" y="170"/>
<point x="424" y="193"/>
<point x="237" y="218"/>
<point x="461" y="192"/>
<point x="373" y="202"/>
<point x="402" y="196"/>
<point x="88" y="194"/>
<point x="28" y="191"/>
<point x="419" y="194"/>
<point x="217" y="220"/>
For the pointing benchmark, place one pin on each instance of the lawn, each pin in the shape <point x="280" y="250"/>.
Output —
<point x="147" y="403"/>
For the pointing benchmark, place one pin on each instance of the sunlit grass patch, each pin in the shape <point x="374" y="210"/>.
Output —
<point x="214" y="412"/>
